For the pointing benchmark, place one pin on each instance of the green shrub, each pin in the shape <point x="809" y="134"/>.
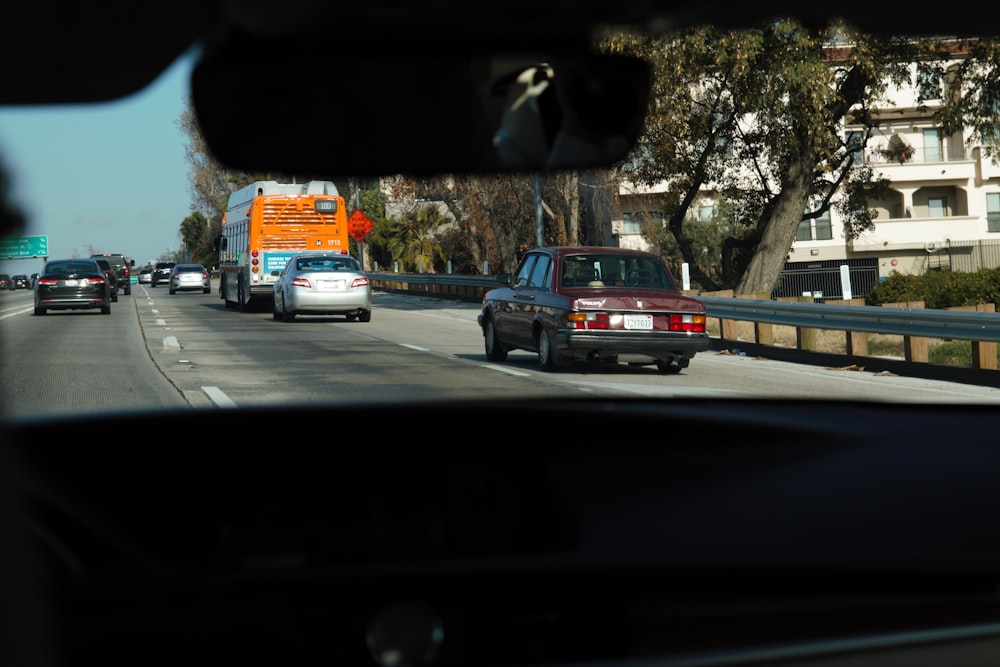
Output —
<point x="938" y="289"/>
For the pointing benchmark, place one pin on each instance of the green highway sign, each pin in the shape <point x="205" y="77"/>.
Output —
<point x="20" y="247"/>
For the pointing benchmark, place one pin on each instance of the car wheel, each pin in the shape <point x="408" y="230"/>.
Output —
<point x="287" y="316"/>
<point x="128" y="291"/>
<point x="494" y="350"/>
<point x="365" y="316"/>
<point x="243" y="294"/>
<point x="207" y="290"/>
<point x="39" y="311"/>
<point x="114" y="298"/>
<point x="546" y="353"/>
<point x="106" y="310"/>
<point x="173" y="291"/>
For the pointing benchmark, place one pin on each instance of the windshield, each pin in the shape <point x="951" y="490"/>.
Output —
<point x="688" y="306"/>
<point x="430" y="264"/>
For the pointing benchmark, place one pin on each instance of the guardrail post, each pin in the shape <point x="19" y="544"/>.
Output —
<point x="727" y="328"/>
<point x="763" y="332"/>
<point x="805" y="338"/>
<point x="914" y="347"/>
<point x="856" y="342"/>
<point x="984" y="354"/>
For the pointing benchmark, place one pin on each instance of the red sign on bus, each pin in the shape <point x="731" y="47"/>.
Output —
<point x="358" y="225"/>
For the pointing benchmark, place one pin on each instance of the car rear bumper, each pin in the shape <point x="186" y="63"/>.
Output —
<point x="655" y="344"/>
<point x="55" y="303"/>
<point x="199" y="286"/>
<point x="327" y="303"/>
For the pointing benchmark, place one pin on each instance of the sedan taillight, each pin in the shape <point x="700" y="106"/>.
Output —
<point x="694" y="323"/>
<point x="589" y="320"/>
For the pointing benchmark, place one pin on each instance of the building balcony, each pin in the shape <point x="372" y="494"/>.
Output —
<point x="897" y="234"/>
<point x="942" y="168"/>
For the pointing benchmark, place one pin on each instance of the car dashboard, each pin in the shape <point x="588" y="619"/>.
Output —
<point x="681" y="533"/>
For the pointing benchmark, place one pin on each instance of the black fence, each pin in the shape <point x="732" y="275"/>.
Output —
<point x="964" y="256"/>
<point x="822" y="279"/>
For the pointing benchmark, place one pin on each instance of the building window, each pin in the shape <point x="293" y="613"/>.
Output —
<point x="928" y="85"/>
<point x="804" y="232"/>
<point x="706" y="212"/>
<point x="993" y="212"/>
<point x="629" y="225"/>
<point x="853" y="143"/>
<point x="932" y="146"/>
<point x="632" y="222"/>
<point x="815" y="229"/>
<point x="937" y="207"/>
<point x="824" y="230"/>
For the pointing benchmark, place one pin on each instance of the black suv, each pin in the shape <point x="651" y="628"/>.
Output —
<point x="122" y="266"/>
<point x="161" y="273"/>
<point x="112" y="275"/>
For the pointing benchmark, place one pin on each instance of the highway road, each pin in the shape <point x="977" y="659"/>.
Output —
<point x="158" y="350"/>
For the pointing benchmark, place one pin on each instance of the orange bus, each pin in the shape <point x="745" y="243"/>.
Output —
<point x="266" y="223"/>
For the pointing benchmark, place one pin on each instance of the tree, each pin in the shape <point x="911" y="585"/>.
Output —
<point x="197" y="239"/>
<point x="756" y="116"/>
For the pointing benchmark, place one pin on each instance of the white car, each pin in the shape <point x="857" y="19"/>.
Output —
<point x="189" y="277"/>
<point x="145" y="276"/>
<point x="322" y="284"/>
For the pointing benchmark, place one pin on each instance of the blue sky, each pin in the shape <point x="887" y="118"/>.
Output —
<point x="110" y="177"/>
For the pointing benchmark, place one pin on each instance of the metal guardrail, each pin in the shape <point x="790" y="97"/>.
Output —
<point x="920" y="322"/>
<point x="917" y="326"/>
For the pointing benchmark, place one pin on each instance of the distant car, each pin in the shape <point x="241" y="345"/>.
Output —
<point x="187" y="277"/>
<point x="161" y="273"/>
<point x="596" y="303"/>
<point x="145" y="275"/>
<point x="72" y="284"/>
<point x="112" y="275"/>
<point x="6" y="282"/>
<point x="322" y="284"/>
<point x="21" y="281"/>
<point x="123" y="269"/>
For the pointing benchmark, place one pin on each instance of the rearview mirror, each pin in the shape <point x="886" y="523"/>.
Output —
<point x="434" y="115"/>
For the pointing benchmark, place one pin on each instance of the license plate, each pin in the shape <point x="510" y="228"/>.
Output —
<point x="639" y="322"/>
<point x="71" y="282"/>
<point x="331" y="284"/>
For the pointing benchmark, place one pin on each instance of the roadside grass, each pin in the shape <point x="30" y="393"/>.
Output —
<point x="941" y="352"/>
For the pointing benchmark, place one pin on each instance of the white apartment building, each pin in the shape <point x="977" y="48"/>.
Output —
<point x="943" y="213"/>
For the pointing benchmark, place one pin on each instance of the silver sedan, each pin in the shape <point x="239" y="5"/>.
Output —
<point x="186" y="277"/>
<point x="322" y="284"/>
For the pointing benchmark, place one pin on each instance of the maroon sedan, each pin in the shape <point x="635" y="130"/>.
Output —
<point x="594" y="303"/>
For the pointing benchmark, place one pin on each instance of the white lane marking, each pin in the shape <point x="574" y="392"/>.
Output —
<point x="218" y="397"/>
<point x="508" y="371"/>
<point x="171" y="343"/>
<point x="414" y="347"/>
<point x="17" y="312"/>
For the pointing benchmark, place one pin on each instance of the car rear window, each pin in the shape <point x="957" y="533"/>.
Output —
<point x="70" y="268"/>
<point x="612" y="270"/>
<point x="326" y="264"/>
